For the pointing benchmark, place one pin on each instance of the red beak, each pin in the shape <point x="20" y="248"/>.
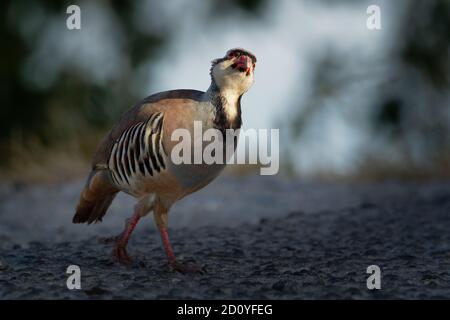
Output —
<point x="244" y="63"/>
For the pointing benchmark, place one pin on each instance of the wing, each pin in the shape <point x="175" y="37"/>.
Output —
<point x="159" y="102"/>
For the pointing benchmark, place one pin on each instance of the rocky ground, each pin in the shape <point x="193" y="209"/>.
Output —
<point x="258" y="237"/>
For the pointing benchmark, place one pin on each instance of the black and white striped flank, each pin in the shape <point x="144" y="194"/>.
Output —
<point x="138" y="152"/>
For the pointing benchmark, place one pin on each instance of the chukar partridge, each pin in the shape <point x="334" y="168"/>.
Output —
<point x="135" y="157"/>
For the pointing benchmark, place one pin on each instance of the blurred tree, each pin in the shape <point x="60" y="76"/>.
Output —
<point x="71" y="108"/>
<point x="410" y="113"/>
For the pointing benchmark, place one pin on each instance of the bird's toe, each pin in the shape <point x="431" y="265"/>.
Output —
<point x="120" y="255"/>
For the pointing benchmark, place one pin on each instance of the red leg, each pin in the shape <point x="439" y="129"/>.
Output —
<point x="120" y="252"/>
<point x="180" y="267"/>
<point x="167" y="245"/>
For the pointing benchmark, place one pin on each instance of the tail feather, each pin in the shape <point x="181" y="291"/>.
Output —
<point x="96" y="197"/>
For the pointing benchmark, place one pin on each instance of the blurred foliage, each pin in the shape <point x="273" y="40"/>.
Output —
<point x="415" y="115"/>
<point x="426" y="40"/>
<point x="72" y="109"/>
<point x="252" y="7"/>
<point x="409" y="116"/>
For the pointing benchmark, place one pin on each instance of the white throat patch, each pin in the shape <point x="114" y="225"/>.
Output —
<point x="230" y="107"/>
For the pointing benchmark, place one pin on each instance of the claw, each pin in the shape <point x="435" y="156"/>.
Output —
<point x="120" y="255"/>
<point x="120" y="252"/>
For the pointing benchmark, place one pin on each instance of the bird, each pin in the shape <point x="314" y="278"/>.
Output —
<point x="135" y="156"/>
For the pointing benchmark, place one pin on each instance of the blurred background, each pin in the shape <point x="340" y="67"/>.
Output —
<point x="350" y="103"/>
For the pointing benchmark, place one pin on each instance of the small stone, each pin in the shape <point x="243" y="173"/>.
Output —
<point x="3" y="267"/>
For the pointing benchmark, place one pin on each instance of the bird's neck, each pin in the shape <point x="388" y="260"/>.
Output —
<point x="227" y="103"/>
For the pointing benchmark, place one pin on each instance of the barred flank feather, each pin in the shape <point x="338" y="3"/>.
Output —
<point x="138" y="152"/>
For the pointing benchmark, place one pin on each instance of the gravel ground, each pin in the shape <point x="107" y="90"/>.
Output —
<point x="259" y="237"/>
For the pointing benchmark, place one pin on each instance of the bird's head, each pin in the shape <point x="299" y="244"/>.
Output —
<point x="234" y="71"/>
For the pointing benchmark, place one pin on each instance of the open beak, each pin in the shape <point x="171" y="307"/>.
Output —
<point x="244" y="64"/>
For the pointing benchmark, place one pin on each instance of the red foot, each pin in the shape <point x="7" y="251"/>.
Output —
<point x="120" y="251"/>
<point x="120" y="255"/>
